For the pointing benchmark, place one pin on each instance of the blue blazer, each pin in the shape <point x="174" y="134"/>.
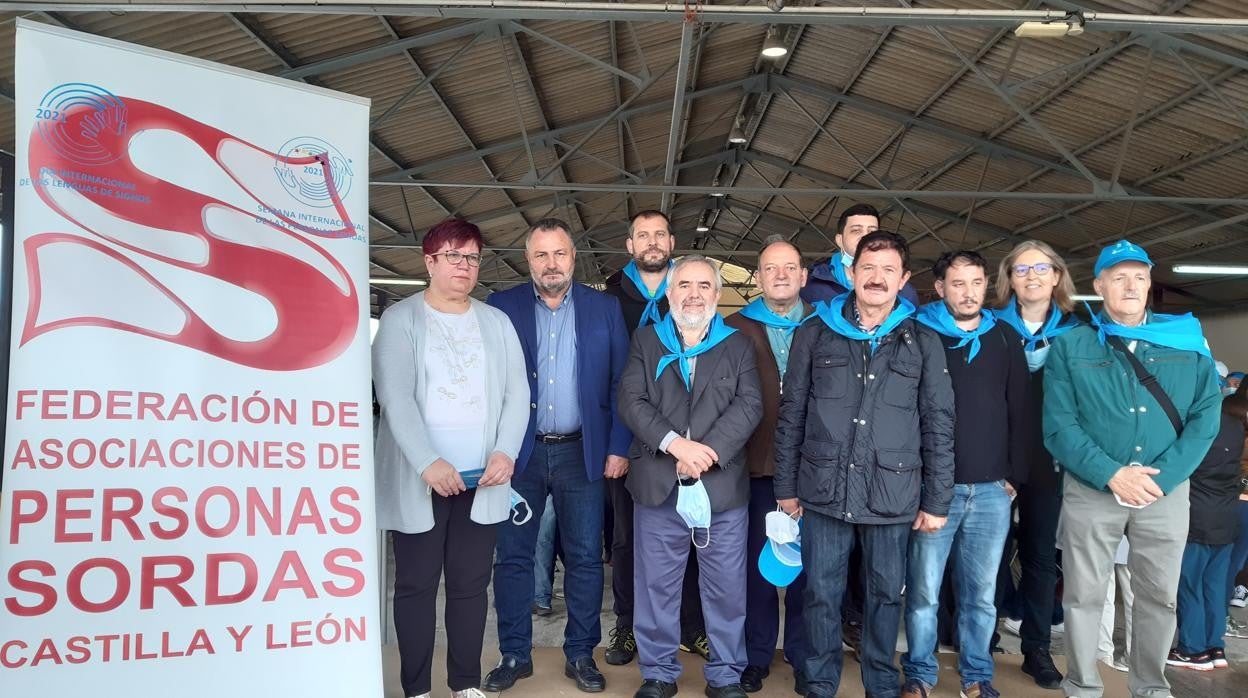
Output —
<point x="601" y="352"/>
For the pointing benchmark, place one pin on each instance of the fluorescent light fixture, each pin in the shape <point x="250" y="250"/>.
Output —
<point x="1071" y="26"/>
<point x="1086" y="297"/>
<point x="1214" y="269"/>
<point x="703" y="228"/>
<point x="397" y="281"/>
<point x="773" y="47"/>
<point x="1042" y="30"/>
<point x="719" y="194"/>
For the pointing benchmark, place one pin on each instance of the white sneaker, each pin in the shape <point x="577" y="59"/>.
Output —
<point x="1060" y="628"/>
<point x="468" y="693"/>
<point x="1013" y="626"/>
<point x="1112" y="663"/>
<point x="1240" y="598"/>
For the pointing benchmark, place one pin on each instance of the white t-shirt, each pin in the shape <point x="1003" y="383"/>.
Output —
<point x="455" y="388"/>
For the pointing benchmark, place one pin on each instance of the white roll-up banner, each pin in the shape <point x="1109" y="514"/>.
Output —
<point x="188" y="502"/>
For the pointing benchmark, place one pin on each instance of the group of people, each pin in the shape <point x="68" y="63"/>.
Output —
<point x="832" y="429"/>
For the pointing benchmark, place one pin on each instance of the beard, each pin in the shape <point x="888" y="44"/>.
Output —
<point x="651" y="267"/>
<point x="692" y="318"/>
<point x="961" y="316"/>
<point x="553" y="286"/>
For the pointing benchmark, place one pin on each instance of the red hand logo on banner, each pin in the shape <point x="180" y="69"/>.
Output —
<point x="316" y="309"/>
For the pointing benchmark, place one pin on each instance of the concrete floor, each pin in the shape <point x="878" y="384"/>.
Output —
<point x="548" y="679"/>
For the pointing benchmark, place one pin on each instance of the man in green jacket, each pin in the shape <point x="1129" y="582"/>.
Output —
<point x="1126" y="464"/>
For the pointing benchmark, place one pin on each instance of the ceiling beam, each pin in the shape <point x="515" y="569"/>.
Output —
<point x="668" y="12"/>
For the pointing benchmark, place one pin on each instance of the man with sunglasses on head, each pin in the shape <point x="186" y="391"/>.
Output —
<point x="575" y="347"/>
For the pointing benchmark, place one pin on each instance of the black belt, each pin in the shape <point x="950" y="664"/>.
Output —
<point x="558" y="438"/>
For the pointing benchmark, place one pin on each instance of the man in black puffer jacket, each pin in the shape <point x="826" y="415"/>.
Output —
<point x="864" y="451"/>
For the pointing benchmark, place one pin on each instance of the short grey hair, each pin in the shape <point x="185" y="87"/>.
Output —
<point x="696" y="259"/>
<point x="547" y="224"/>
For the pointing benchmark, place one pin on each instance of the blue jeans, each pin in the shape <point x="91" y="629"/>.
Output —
<point x="979" y="518"/>
<point x="557" y="470"/>
<point x="544" y="558"/>
<point x="826" y="544"/>
<point x="1239" y="553"/>
<point x="1202" y="603"/>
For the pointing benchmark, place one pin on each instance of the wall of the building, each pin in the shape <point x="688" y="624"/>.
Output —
<point x="1228" y="338"/>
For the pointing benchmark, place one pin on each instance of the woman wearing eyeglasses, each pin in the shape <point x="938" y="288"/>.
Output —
<point x="1034" y="294"/>
<point x="450" y="378"/>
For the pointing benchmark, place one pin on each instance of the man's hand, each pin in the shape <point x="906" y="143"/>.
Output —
<point x="498" y="469"/>
<point x="792" y="507"/>
<point x="688" y="470"/>
<point x="928" y="523"/>
<point x="1009" y="490"/>
<point x="693" y="453"/>
<point x="1134" y="485"/>
<point x="443" y="478"/>
<point x="617" y="466"/>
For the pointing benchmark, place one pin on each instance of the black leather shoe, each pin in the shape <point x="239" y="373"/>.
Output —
<point x="588" y="678"/>
<point x="752" y="678"/>
<point x="623" y="647"/>
<point x="655" y="689"/>
<point x="800" y="685"/>
<point x="1038" y="664"/>
<point x="506" y="674"/>
<point x="732" y="690"/>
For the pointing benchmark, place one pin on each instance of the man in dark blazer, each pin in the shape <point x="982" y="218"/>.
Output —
<point x="770" y="321"/>
<point x="575" y="346"/>
<point x="690" y="396"/>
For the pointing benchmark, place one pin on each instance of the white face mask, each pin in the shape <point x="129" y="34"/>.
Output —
<point x="694" y="506"/>
<point x="781" y="527"/>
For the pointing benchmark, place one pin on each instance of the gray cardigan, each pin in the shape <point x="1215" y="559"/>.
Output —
<point x="404" y="502"/>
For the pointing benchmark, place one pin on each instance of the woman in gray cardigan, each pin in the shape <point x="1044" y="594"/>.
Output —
<point x="450" y="379"/>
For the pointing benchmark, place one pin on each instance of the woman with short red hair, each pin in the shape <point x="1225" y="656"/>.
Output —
<point x="450" y="379"/>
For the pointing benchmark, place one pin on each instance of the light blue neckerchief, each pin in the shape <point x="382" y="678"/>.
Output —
<point x="666" y="329"/>
<point x="937" y="316"/>
<point x="758" y="311"/>
<point x="651" y="313"/>
<point x="1180" y="332"/>
<point x="1052" y="328"/>
<point x="833" y="315"/>
<point x="779" y="328"/>
<point x="837" y="266"/>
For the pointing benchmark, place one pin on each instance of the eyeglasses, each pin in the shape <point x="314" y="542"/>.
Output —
<point x="1041" y="269"/>
<point x="454" y="257"/>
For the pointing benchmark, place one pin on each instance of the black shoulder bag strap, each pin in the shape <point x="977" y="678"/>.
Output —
<point x="1149" y="381"/>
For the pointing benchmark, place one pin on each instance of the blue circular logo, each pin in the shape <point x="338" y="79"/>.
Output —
<point x="307" y="183"/>
<point x="83" y="123"/>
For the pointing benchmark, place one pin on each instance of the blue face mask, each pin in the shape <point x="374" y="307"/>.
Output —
<point x="472" y="477"/>
<point x="694" y="506"/>
<point x="521" y="512"/>
<point x="1036" y="357"/>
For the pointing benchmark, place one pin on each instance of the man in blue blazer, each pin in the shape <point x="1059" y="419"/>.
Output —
<point x="575" y="346"/>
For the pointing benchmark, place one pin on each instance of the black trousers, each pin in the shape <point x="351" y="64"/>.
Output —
<point x="465" y="550"/>
<point x="1038" y="511"/>
<point x="691" y="622"/>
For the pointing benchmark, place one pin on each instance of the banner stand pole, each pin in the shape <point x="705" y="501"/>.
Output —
<point x="8" y="193"/>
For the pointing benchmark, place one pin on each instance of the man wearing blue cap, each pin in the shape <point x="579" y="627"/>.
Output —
<point x="1131" y="406"/>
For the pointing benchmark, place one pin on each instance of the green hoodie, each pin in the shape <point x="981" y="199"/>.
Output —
<point x="1098" y="417"/>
